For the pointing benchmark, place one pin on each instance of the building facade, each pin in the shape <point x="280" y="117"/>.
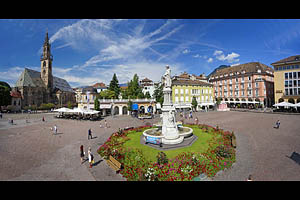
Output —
<point x="42" y="87"/>
<point x="245" y="84"/>
<point x="100" y="87"/>
<point x="185" y="87"/>
<point x="147" y="85"/>
<point x="287" y="79"/>
<point x="86" y="97"/>
<point x="120" y="106"/>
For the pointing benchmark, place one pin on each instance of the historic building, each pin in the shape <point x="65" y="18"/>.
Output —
<point x="287" y="79"/>
<point x="185" y="87"/>
<point x="85" y="97"/>
<point x="42" y="87"/>
<point x="147" y="85"/>
<point x="245" y="84"/>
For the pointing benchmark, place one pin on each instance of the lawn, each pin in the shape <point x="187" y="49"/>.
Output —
<point x="210" y="153"/>
<point x="200" y="145"/>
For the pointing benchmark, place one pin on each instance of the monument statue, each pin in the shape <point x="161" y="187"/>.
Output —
<point x="167" y="77"/>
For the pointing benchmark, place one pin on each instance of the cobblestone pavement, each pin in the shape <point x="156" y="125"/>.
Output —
<point x="29" y="151"/>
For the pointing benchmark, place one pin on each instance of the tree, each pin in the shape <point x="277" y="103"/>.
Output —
<point x="129" y="105"/>
<point x="69" y="104"/>
<point x="147" y="95"/>
<point x="158" y="93"/>
<point x="107" y="94"/>
<point x="134" y="90"/>
<point x="5" y="98"/>
<point x="96" y="104"/>
<point x="194" y="102"/>
<point x="114" y="86"/>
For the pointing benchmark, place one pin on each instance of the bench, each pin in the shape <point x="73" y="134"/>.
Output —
<point x="114" y="164"/>
<point x="153" y="140"/>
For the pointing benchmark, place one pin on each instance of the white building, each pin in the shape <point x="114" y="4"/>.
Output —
<point x="147" y="86"/>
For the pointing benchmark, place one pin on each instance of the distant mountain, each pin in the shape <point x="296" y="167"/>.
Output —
<point x="220" y="67"/>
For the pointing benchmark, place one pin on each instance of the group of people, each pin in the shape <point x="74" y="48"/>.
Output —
<point x="90" y="156"/>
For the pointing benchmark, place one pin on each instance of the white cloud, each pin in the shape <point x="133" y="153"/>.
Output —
<point x="11" y="75"/>
<point x="232" y="57"/>
<point x="185" y="51"/>
<point x="210" y="60"/>
<point x="218" y="52"/>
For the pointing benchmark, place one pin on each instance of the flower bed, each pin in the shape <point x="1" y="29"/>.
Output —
<point x="183" y="167"/>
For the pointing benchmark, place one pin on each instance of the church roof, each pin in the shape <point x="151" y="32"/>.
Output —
<point x="32" y="78"/>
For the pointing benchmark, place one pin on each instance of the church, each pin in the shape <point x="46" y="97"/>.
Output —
<point x="37" y="88"/>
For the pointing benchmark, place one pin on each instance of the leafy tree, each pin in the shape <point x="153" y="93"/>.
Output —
<point x="158" y="93"/>
<point x="96" y="104"/>
<point x="124" y="93"/>
<point x="194" y="102"/>
<point x="69" y="104"/>
<point x="134" y="90"/>
<point x="5" y="98"/>
<point x="129" y="105"/>
<point x="114" y="86"/>
<point x="107" y="94"/>
<point x="147" y="95"/>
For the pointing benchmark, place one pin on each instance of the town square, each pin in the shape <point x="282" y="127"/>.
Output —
<point x="146" y="100"/>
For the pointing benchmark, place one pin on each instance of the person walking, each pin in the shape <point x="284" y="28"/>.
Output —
<point x="196" y="120"/>
<point x="90" y="134"/>
<point x="43" y="119"/>
<point x="81" y="154"/>
<point x="105" y="122"/>
<point x="90" y="156"/>
<point x="277" y="124"/>
<point x="55" y="129"/>
<point x="249" y="178"/>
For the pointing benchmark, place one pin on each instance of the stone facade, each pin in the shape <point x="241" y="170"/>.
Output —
<point x="37" y="88"/>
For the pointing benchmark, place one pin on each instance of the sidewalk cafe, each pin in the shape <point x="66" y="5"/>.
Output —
<point x="78" y="114"/>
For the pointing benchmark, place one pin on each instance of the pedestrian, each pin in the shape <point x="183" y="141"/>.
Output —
<point x="90" y="156"/>
<point x="100" y="125"/>
<point x="81" y="154"/>
<point x="55" y="129"/>
<point x="1" y="115"/>
<point x="90" y="134"/>
<point x="249" y="178"/>
<point x="43" y="119"/>
<point x="196" y="120"/>
<point x="105" y="122"/>
<point x="277" y="124"/>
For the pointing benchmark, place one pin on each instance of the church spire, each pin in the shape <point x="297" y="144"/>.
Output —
<point x="46" y="38"/>
<point x="46" y="64"/>
<point x="46" y="49"/>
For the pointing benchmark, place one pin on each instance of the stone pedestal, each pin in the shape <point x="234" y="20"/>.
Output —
<point x="169" y="127"/>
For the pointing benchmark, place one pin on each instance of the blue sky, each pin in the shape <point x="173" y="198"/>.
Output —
<point x="86" y="51"/>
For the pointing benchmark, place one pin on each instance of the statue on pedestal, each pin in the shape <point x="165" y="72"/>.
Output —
<point x="167" y="77"/>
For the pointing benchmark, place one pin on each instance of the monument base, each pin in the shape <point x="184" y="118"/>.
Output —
<point x="172" y="141"/>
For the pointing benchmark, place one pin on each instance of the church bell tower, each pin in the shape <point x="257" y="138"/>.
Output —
<point x="46" y="64"/>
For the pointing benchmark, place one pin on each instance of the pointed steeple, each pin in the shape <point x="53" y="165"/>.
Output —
<point x="46" y="63"/>
<point x="46" y="38"/>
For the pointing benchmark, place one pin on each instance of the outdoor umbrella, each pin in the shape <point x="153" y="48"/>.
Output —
<point x="78" y="110"/>
<point x="63" y="109"/>
<point x="284" y="104"/>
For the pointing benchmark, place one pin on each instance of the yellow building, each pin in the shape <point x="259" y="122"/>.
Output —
<point x="185" y="87"/>
<point x="287" y="79"/>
